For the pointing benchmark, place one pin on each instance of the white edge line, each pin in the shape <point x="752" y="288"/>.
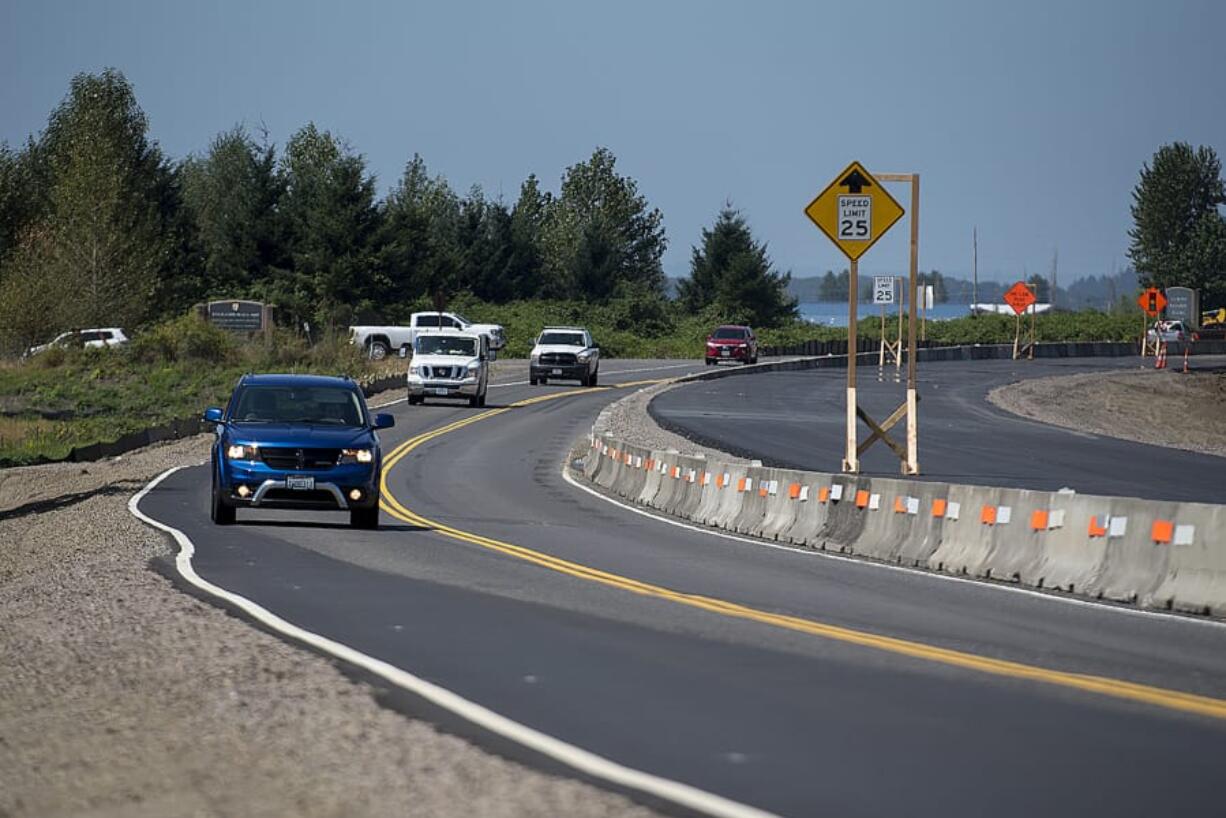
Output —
<point x="918" y="572"/>
<point x="568" y="754"/>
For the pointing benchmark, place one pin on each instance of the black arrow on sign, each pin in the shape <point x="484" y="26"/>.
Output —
<point x="854" y="181"/>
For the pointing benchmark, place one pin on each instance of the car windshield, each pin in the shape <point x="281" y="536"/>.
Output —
<point x="566" y="339"/>
<point x="446" y="345"/>
<point x="730" y="332"/>
<point x="319" y="405"/>
<point x="461" y="318"/>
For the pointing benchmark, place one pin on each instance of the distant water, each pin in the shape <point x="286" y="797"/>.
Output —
<point x="834" y="313"/>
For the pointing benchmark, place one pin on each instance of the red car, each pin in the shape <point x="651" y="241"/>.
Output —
<point x="732" y="343"/>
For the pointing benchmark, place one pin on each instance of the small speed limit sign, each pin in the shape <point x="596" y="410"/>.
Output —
<point x="883" y="289"/>
<point x="855" y="218"/>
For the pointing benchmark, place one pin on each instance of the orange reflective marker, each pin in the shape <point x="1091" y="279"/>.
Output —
<point x="794" y="491"/>
<point x="1097" y="529"/>
<point x="900" y="505"/>
<point x="740" y="484"/>
<point x="938" y="507"/>
<point x="762" y="487"/>
<point x="719" y="481"/>
<point x="1038" y="519"/>
<point x="861" y="499"/>
<point x="1163" y="531"/>
<point x="823" y="494"/>
<point x="987" y="515"/>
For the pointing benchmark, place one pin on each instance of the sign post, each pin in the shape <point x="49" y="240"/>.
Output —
<point x="884" y="288"/>
<point x="1152" y="303"/>
<point x="854" y="211"/>
<point x="1021" y="298"/>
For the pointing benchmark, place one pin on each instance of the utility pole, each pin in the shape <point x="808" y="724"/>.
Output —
<point x="1055" y="279"/>
<point x="975" y="270"/>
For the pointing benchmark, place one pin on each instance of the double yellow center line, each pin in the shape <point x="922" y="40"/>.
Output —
<point x="1114" y="688"/>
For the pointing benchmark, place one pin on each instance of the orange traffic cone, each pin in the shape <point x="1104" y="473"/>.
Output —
<point x="1185" y="359"/>
<point x="1160" y="363"/>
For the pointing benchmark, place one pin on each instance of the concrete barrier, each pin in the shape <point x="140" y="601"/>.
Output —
<point x="1161" y="555"/>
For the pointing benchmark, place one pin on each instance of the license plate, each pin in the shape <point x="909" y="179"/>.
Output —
<point x="300" y="483"/>
<point x="440" y="391"/>
<point x="555" y="372"/>
<point x="725" y="352"/>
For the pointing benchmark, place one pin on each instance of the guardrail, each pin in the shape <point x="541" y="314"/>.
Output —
<point x="1160" y="555"/>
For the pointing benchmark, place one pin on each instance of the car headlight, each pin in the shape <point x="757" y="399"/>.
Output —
<point x="240" y="451"/>
<point x="414" y="370"/>
<point x="584" y="357"/>
<point x="355" y="456"/>
<point x="474" y="366"/>
<point x="536" y="357"/>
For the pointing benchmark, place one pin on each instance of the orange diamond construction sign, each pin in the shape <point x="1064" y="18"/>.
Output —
<point x="854" y="211"/>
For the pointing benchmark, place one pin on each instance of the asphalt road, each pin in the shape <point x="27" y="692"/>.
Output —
<point x="774" y="717"/>
<point x="798" y="420"/>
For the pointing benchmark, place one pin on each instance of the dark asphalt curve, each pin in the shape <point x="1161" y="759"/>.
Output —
<point x="798" y="419"/>
<point x="769" y="716"/>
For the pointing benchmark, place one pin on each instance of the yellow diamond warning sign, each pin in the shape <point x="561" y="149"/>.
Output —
<point x="854" y="210"/>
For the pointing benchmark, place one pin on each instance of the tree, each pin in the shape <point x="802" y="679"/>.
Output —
<point x="1041" y="287"/>
<point x="1178" y="236"/>
<point x="831" y="289"/>
<point x="600" y="232"/>
<point x="30" y="300"/>
<point x="231" y="195"/>
<point x="940" y="291"/>
<point x="331" y="221"/>
<point x="732" y="272"/>
<point x="526" y="264"/>
<point x="420" y="249"/>
<point x="106" y="229"/>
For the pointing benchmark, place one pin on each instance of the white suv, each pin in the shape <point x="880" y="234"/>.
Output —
<point x="564" y="352"/>
<point x="88" y="338"/>
<point x="449" y="364"/>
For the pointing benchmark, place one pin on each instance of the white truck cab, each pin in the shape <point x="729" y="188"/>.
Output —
<point x="449" y="363"/>
<point x="564" y="352"/>
<point x="380" y="340"/>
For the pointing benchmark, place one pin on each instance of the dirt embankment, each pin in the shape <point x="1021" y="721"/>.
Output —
<point x="121" y="696"/>
<point x="1160" y="407"/>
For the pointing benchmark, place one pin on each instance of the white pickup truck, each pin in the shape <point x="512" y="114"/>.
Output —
<point x="378" y="341"/>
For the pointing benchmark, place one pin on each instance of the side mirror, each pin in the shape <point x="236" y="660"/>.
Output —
<point x="213" y="415"/>
<point x="493" y="355"/>
<point x="384" y="421"/>
<point x="404" y="351"/>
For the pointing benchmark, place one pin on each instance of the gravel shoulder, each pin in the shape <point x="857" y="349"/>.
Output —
<point x="124" y="696"/>
<point x="1159" y="407"/>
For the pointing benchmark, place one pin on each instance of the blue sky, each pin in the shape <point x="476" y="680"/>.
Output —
<point x="1030" y="120"/>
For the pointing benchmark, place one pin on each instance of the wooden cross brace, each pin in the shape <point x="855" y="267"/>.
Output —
<point x="880" y="431"/>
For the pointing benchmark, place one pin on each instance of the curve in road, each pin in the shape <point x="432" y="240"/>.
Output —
<point x="763" y="715"/>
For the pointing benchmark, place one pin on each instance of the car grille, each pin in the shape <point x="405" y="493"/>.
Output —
<point x="559" y="359"/>
<point x="294" y="459"/>
<point x="445" y="372"/>
<point x="314" y="497"/>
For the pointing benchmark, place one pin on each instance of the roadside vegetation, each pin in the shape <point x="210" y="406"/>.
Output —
<point x="65" y="398"/>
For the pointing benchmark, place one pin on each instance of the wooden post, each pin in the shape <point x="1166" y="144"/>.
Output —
<point x="898" y="348"/>
<point x="851" y="460"/>
<point x="1033" y="338"/>
<point x="881" y="346"/>
<point x="912" y="464"/>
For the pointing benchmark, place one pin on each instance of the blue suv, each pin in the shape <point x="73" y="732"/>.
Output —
<point x="297" y="441"/>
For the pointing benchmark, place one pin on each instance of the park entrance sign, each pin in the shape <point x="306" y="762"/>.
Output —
<point x="237" y="315"/>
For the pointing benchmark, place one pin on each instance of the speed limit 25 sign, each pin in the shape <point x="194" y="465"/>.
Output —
<point x="854" y="210"/>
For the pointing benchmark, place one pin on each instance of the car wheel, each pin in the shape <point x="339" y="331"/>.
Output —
<point x="542" y="380"/>
<point x="474" y="401"/>
<point x="414" y="400"/>
<point x="592" y="379"/>
<point x="378" y="350"/>
<point x="220" y="513"/>
<point x="364" y="517"/>
<point x="481" y="402"/>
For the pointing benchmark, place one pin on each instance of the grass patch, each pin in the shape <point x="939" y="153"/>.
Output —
<point x="175" y="370"/>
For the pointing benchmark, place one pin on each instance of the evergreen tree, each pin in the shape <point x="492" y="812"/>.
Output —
<point x="526" y="264"/>
<point x="231" y="195"/>
<point x="420" y="247"/>
<point x="828" y="290"/>
<point x="331" y="222"/>
<point x="1179" y="236"/>
<point x="600" y="232"/>
<point x="732" y="273"/>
